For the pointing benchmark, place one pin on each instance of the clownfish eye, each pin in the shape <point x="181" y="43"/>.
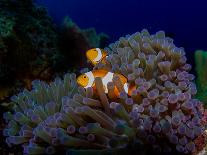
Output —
<point x="84" y="76"/>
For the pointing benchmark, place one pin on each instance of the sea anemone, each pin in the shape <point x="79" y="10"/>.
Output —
<point x="160" y="112"/>
<point x="163" y="105"/>
<point x="32" y="109"/>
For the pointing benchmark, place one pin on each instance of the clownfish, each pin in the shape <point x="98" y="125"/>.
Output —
<point x="96" y="55"/>
<point x="87" y="79"/>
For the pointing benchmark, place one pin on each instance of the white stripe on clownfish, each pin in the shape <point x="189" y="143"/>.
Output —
<point x="91" y="79"/>
<point x="106" y="79"/>
<point x="99" y="56"/>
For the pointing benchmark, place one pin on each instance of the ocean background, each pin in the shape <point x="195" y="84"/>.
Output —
<point x="184" y="20"/>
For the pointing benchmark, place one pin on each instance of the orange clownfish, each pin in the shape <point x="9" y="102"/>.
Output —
<point x="87" y="79"/>
<point x="96" y="55"/>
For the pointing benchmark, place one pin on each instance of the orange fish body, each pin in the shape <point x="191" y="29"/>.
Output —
<point x="96" y="55"/>
<point x="87" y="80"/>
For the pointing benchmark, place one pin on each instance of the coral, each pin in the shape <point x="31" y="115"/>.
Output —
<point x="6" y="26"/>
<point x="27" y="33"/>
<point x="161" y="112"/>
<point x="28" y="42"/>
<point x="201" y="63"/>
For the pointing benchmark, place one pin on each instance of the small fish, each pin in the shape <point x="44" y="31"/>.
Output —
<point x="87" y="80"/>
<point x="96" y="55"/>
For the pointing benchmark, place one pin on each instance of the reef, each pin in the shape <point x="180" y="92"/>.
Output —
<point x="32" y="47"/>
<point x="201" y="63"/>
<point x="161" y="113"/>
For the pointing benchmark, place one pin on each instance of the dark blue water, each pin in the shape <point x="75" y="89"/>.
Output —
<point x="184" y="20"/>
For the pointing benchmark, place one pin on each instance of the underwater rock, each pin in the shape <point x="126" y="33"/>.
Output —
<point x="161" y="113"/>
